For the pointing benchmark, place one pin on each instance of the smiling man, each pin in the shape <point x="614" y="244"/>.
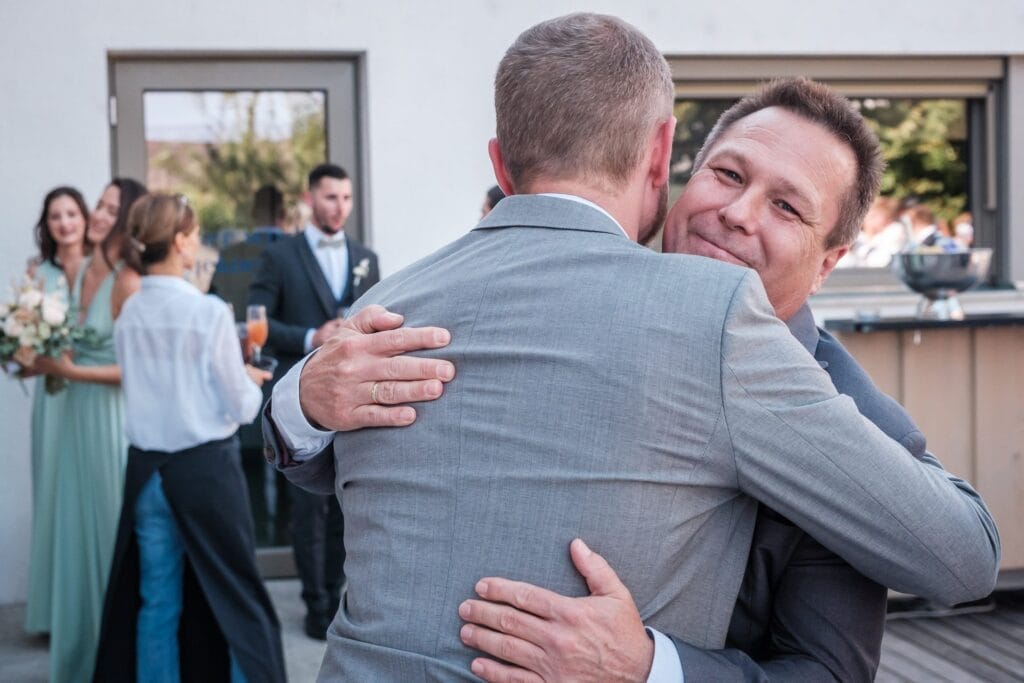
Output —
<point x="767" y="195"/>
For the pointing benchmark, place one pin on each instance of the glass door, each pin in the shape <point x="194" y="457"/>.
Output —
<point x="238" y="137"/>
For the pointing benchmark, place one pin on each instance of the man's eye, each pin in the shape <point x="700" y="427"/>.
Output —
<point x="787" y="207"/>
<point x="730" y="174"/>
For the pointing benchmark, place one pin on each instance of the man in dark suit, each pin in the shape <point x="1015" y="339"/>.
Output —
<point x="307" y="282"/>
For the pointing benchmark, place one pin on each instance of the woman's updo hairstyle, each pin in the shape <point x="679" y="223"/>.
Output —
<point x="153" y="222"/>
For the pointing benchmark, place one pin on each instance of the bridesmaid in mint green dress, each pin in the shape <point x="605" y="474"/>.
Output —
<point x="60" y="234"/>
<point x="93" y="448"/>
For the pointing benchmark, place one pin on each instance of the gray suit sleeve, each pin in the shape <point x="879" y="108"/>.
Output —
<point x="807" y="452"/>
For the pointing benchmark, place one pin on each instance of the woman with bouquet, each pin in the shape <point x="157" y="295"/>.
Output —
<point x="187" y="390"/>
<point x="93" y="449"/>
<point x="60" y="235"/>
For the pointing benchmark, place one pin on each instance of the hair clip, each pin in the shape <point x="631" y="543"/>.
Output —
<point x="137" y="245"/>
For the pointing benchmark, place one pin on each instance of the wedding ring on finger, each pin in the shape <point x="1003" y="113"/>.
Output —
<point x="373" y="393"/>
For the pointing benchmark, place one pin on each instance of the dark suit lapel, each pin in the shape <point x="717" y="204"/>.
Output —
<point x="356" y="253"/>
<point x="316" y="277"/>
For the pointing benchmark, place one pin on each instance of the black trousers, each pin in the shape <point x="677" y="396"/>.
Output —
<point x="225" y="602"/>
<point x="317" y="531"/>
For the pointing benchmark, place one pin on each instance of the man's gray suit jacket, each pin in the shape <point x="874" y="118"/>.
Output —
<point x="637" y="400"/>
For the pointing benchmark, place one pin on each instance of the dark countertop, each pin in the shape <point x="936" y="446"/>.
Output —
<point x="895" y="324"/>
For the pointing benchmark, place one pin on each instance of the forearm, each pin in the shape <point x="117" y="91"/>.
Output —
<point x="95" y="374"/>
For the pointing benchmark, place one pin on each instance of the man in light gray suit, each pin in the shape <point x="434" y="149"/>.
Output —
<point x="586" y="406"/>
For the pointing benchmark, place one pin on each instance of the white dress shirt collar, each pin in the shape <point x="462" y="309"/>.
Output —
<point x="333" y="262"/>
<point x="314" y="235"/>
<point x="581" y="200"/>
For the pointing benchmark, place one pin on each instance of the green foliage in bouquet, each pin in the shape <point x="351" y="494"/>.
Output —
<point x="36" y="323"/>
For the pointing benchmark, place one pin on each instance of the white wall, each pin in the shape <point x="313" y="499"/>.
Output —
<point x="429" y="72"/>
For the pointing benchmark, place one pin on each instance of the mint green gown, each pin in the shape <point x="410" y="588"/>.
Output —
<point x="47" y="424"/>
<point x="90" y="483"/>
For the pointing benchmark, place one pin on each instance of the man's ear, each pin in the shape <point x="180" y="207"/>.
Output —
<point x="832" y="257"/>
<point x="498" y="163"/>
<point x="661" y="151"/>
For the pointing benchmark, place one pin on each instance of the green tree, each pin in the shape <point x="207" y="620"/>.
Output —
<point x="925" y="148"/>
<point x="221" y="176"/>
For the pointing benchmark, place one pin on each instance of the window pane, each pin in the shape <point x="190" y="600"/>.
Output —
<point x="219" y="147"/>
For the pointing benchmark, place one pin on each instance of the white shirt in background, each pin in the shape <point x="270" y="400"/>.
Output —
<point x="182" y="372"/>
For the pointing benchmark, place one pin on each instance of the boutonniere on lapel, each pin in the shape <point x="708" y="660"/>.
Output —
<point x="360" y="271"/>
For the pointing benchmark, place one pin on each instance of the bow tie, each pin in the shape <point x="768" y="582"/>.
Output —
<point x="328" y="243"/>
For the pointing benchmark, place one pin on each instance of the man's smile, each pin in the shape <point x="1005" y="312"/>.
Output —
<point x="705" y="247"/>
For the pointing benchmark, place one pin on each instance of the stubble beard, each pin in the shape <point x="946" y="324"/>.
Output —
<point x="324" y="226"/>
<point x="650" y="229"/>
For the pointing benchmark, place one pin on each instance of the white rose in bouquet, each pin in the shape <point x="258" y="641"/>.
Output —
<point x="29" y="336"/>
<point x="30" y="298"/>
<point x="13" y="327"/>
<point x="34" y="323"/>
<point x="54" y="311"/>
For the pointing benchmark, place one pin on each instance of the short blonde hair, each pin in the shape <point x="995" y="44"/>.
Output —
<point x="576" y="96"/>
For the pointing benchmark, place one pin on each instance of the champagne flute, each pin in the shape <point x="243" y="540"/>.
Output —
<point x="256" y="324"/>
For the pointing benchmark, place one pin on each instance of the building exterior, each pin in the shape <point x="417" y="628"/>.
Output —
<point x="409" y="106"/>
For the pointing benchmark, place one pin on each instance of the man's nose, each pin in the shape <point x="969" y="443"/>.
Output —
<point x="739" y="213"/>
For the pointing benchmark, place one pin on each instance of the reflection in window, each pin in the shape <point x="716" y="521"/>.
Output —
<point x="925" y="145"/>
<point x="220" y="147"/>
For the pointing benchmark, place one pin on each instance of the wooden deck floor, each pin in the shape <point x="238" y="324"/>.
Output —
<point x="987" y="646"/>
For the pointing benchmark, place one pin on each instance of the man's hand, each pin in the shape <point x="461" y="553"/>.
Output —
<point x="326" y="331"/>
<point x="548" y="637"/>
<point x="359" y="378"/>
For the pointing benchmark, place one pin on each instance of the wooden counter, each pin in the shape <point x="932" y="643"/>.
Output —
<point x="963" y="382"/>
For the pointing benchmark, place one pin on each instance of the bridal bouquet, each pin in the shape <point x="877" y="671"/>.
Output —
<point x="35" y="323"/>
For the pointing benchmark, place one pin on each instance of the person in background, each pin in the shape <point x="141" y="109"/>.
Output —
<point x="924" y="230"/>
<point x="963" y="230"/>
<point x="231" y="281"/>
<point x="881" y="236"/>
<point x="269" y="215"/>
<point x="92" y="444"/>
<point x="491" y="199"/>
<point x="60" y="235"/>
<point x="307" y="282"/>
<point x="185" y="499"/>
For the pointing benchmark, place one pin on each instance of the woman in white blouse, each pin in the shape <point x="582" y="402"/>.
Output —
<point x="184" y="601"/>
